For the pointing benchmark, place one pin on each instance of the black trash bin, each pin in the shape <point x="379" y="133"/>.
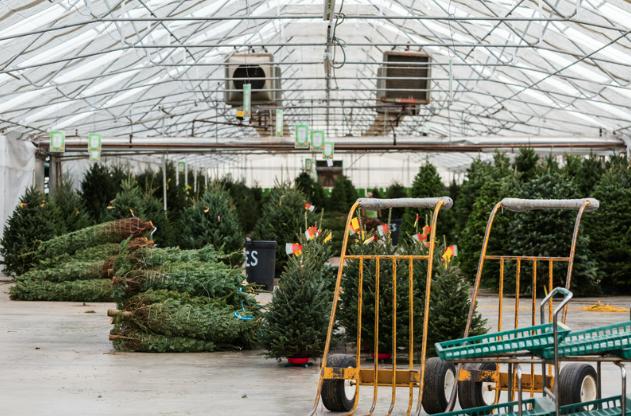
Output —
<point x="260" y="262"/>
<point x="395" y="230"/>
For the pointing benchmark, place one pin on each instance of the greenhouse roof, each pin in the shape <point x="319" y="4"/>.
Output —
<point x="155" y="68"/>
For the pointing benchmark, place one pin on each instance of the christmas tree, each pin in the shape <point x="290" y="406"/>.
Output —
<point x="70" y="207"/>
<point x="343" y="195"/>
<point x="247" y="201"/>
<point x="427" y="184"/>
<point x="283" y="220"/>
<point x="396" y="190"/>
<point x="296" y="322"/>
<point x="311" y="188"/>
<point x="212" y="220"/>
<point x="34" y="220"/>
<point x="99" y="186"/>
<point x="609" y="229"/>
<point x="526" y="164"/>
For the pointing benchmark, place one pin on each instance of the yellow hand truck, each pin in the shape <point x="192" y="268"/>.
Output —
<point x="481" y="383"/>
<point x="342" y="375"/>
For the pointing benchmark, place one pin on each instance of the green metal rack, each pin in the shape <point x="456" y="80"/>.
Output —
<point x="599" y="340"/>
<point x="610" y="406"/>
<point x="534" y="339"/>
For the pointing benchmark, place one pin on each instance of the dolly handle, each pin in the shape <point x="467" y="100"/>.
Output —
<point x="567" y="296"/>
<point x="376" y="203"/>
<point x="523" y="205"/>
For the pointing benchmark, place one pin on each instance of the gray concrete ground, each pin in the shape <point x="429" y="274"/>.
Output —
<point x="55" y="359"/>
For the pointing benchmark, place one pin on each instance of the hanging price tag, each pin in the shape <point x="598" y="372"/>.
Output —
<point x="247" y="101"/>
<point x="280" y="123"/>
<point x="57" y="141"/>
<point x="94" y="146"/>
<point x="328" y="150"/>
<point x="317" y="140"/>
<point x="301" y="136"/>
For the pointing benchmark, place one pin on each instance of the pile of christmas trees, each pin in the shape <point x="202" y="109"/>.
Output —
<point x="76" y="266"/>
<point x="174" y="300"/>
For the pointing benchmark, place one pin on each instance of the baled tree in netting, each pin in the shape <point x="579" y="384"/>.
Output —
<point x="246" y="202"/>
<point x="283" y="220"/>
<point x="296" y="321"/>
<point x="427" y="184"/>
<point x="450" y="302"/>
<point x="99" y="186"/>
<point x="549" y="233"/>
<point x="343" y="195"/>
<point x="72" y="213"/>
<point x="33" y="220"/>
<point x="311" y="188"/>
<point x="609" y="230"/>
<point x="212" y="220"/>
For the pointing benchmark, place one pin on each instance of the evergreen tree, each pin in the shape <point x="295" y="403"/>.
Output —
<point x="296" y="321"/>
<point x="343" y="195"/>
<point x="311" y="188"/>
<point x="449" y="304"/>
<point x="376" y="193"/>
<point x="72" y="213"/>
<point x="396" y="190"/>
<point x="245" y="200"/>
<point x="526" y="164"/>
<point x="609" y="229"/>
<point x="99" y="186"/>
<point x="283" y="220"/>
<point x="212" y="220"/>
<point x="34" y="220"/>
<point x="585" y="172"/>
<point x="427" y="184"/>
<point x="549" y="233"/>
<point x="477" y="175"/>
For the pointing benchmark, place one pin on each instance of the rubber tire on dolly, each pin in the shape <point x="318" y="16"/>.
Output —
<point x="435" y="398"/>
<point x="470" y="392"/>
<point x="571" y="380"/>
<point x="333" y="394"/>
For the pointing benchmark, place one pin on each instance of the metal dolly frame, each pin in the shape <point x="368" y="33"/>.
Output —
<point x="411" y="378"/>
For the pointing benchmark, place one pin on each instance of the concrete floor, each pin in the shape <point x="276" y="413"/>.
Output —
<point x="55" y="359"/>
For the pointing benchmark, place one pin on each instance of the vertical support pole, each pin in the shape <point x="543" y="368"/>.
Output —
<point x="410" y="331"/>
<point x="394" y="335"/>
<point x="164" y="183"/>
<point x="375" y="388"/>
<point x="55" y="173"/>
<point x="533" y="321"/>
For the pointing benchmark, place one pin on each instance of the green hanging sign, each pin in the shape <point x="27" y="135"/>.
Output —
<point x="308" y="165"/>
<point x="181" y="166"/>
<point x="328" y="150"/>
<point x="318" y="138"/>
<point x="57" y="141"/>
<point x="94" y="146"/>
<point x="280" y="122"/>
<point x="247" y="101"/>
<point x="301" y="136"/>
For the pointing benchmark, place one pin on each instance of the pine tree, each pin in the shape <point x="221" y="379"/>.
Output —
<point x="449" y="304"/>
<point x="477" y="175"/>
<point x="396" y="190"/>
<point x="34" y="220"/>
<point x="99" y="186"/>
<point x="212" y="220"/>
<point x="70" y="207"/>
<point x="549" y="233"/>
<point x="283" y="220"/>
<point x="609" y="230"/>
<point x="427" y="184"/>
<point x="296" y="322"/>
<point x="311" y="188"/>
<point x="343" y="195"/>
<point x="245" y="200"/>
<point x="526" y="164"/>
<point x="585" y="172"/>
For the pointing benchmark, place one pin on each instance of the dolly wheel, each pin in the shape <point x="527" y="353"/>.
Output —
<point x="440" y="379"/>
<point x="339" y="395"/>
<point x="577" y="383"/>
<point x="477" y="393"/>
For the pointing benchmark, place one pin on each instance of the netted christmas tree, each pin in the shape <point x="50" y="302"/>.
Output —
<point x="32" y="221"/>
<point x="296" y="321"/>
<point x="90" y="290"/>
<point x="283" y="220"/>
<point x="609" y="230"/>
<point x="70" y="207"/>
<point x="212" y="220"/>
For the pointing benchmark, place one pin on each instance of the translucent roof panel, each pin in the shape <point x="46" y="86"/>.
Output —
<point x="155" y="68"/>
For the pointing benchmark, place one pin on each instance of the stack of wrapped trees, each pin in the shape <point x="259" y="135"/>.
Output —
<point x="172" y="300"/>
<point x="77" y="266"/>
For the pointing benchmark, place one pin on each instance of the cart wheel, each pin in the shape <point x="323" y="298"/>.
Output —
<point x="577" y="383"/>
<point x="477" y="393"/>
<point x="440" y="379"/>
<point x="339" y="395"/>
